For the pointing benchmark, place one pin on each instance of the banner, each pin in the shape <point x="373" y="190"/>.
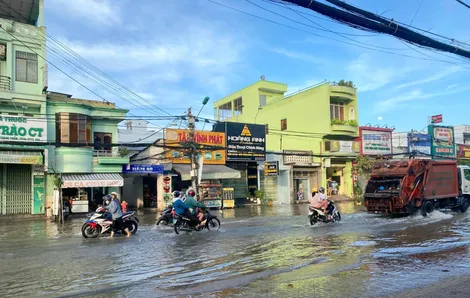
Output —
<point x="345" y="146"/>
<point x="376" y="141"/>
<point x="442" y="141"/>
<point x="180" y="137"/>
<point x="245" y="142"/>
<point x="436" y="119"/>
<point x="142" y="169"/>
<point x="39" y="191"/>
<point x="22" y="129"/>
<point x="6" y="157"/>
<point x="463" y="151"/>
<point x="419" y="142"/>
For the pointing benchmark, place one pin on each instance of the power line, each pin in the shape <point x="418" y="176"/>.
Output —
<point x="416" y="12"/>
<point x="463" y="3"/>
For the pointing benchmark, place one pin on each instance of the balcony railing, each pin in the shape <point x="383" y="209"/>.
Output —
<point x="110" y="157"/>
<point x="5" y="83"/>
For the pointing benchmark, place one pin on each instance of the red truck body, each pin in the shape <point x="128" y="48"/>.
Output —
<point x="403" y="186"/>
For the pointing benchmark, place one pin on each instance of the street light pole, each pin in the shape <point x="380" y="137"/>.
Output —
<point x="192" y="149"/>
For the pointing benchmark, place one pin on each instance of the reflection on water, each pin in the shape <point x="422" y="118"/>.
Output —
<point x="267" y="251"/>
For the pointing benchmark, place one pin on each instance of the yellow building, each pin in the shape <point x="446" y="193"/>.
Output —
<point x="311" y="133"/>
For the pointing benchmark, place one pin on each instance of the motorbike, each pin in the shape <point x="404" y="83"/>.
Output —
<point x="100" y="223"/>
<point x="184" y="224"/>
<point x="166" y="216"/>
<point x="316" y="214"/>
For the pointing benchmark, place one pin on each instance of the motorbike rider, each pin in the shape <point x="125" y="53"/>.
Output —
<point x="320" y="201"/>
<point x="193" y="204"/>
<point x="182" y="209"/>
<point x="116" y="213"/>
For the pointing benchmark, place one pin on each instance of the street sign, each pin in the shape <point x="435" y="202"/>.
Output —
<point x="271" y="168"/>
<point x="142" y="169"/>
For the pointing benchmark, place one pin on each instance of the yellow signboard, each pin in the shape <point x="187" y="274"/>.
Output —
<point x="178" y="138"/>
<point x="21" y="159"/>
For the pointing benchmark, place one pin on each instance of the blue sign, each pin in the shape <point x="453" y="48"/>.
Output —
<point x="142" y="169"/>
<point x="420" y="142"/>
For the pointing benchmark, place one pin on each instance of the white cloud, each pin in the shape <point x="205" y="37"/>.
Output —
<point x="452" y="86"/>
<point x="410" y="98"/>
<point x="438" y="76"/>
<point x="298" y="55"/>
<point x="102" y="12"/>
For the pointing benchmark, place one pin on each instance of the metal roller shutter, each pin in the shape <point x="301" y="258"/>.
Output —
<point x="18" y="189"/>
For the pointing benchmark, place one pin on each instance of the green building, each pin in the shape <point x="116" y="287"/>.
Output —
<point x="312" y="133"/>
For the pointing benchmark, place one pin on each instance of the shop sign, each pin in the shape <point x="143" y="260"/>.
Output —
<point x="419" y="142"/>
<point x="92" y="183"/>
<point x="245" y="142"/>
<point x="39" y="191"/>
<point x="204" y="139"/>
<point x="21" y="159"/>
<point x="463" y="151"/>
<point x="22" y="129"/>
<point x="436" y="119"/>
<point x="142" y="169"/>
<point x="345" y="146"/>
<point x="271" y="168"/>
<point x="376" y="142"/>
<point x="442" y="141"/>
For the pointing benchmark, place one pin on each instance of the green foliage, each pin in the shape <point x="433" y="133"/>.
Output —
<point x="363" y="166"/>
<point x="261" y="194"/>
<point x="167" y="198"/>
<point x="336" y="121"/>
<point x="352" y="123"/>
<point x="463" y="162"/>
<point x="124" y="152"/>
<point x="346" y="84"/>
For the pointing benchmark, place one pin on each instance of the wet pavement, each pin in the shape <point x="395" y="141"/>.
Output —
<point x="258" y="252"/>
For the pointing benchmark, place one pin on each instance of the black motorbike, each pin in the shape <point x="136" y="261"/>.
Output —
<point x="184" y="224"/>
<point x="166" y="216"/>
<point x="332" y="214"/>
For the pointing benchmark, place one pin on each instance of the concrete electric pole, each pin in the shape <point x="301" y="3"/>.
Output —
<point x="193" y="151"/>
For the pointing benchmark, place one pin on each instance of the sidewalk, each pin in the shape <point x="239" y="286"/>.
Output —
<point x="456" y="287"/>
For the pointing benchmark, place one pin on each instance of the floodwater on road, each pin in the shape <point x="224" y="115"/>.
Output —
<point x="259" y="251"/>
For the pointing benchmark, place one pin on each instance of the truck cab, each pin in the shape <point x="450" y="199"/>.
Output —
<point x="464" y="180"/>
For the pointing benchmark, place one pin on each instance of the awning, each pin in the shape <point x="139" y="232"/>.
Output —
<point x="92" y="180"/>
<point x="209" y="172"/>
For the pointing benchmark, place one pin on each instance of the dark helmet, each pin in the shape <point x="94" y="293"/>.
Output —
<point x="176" y="194"/>
<point x="107" y="199"/>
<point x="321" y="190"/>
<point x="191" y="193"/>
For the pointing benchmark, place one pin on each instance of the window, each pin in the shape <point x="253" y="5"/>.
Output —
<point x="26" y="67"/>
<point x="327" y="146"/>
<point x="225" y="111"/>
<point x="337" y="111"/>
<point x="237" y="106"/>
<point x="262" y="100"/>
<point x="73" y="128"/>
<point x="284" y="124"/>
<point x="103" y="141"/>
<point x="466" y="174"/>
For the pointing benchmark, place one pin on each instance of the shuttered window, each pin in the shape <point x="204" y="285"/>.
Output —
<point x="26" y="67"/>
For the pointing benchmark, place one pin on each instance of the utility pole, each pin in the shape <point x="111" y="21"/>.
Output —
<point x="412" y="142"/>
<point x="192" y="150"/>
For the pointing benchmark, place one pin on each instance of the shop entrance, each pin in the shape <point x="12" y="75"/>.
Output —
<point x="150" y="192"/>
<point x="335" y="174"/>
<point x="16" y="189"/>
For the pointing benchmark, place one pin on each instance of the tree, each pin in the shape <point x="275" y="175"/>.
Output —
<point x="346" y="83"/>
<point x="363" y="169"/>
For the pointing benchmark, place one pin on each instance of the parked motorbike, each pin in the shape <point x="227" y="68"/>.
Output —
<point x="100" y="223"/>
<point x="184" y="224"/>
<point x="166" y="216"/>
<point x="316" y="214"/>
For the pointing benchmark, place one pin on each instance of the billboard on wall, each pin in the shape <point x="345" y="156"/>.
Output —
<point x="345" y="146"/>
<point x="463" y="151"/>
<point x="22" y="129"/>
<point x="245" y="142"/>
<point x="419" y="142"/>
<point x="375" y="141"/>
<point x="177" y="138"/>
<point x="442" y="141"/>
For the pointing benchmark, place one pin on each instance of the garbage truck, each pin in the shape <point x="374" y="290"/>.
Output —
<point x="417" y="185"/>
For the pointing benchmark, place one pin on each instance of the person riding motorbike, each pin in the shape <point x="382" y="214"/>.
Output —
<point x="193" y="204"/>
<point x="182" y="209"/>
<point x="320" y="201"/>
<point x="116" y="213"/>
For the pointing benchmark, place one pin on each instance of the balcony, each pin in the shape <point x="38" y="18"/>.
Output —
<point x="5" y="83"/>
<point x="342" y="93"/>
<point x="344" y="127"/>
<point x="110" y="157"/>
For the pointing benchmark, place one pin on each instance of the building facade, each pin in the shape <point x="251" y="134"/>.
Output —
<point x="23" y="113"/>
<point x="85" y="154"/>
<point x="313" y="131"/>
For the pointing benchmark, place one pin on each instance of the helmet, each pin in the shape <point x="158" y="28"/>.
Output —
<point x="176" y="194"/>
<point x="321" y="189"/>
<point x="314" y="189"/>
<point x="114" y="194"/>
<point x="191" y="193"/>
<point x="107" y="198"/>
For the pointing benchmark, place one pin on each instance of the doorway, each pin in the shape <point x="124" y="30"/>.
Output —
<point x="304" y="184"/>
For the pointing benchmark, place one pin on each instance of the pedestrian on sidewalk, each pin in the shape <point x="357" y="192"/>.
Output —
<point x="300" y="194"/>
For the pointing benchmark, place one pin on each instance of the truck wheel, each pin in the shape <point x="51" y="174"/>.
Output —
<point x="464" y="205"/>
<point x="427" y="208"/>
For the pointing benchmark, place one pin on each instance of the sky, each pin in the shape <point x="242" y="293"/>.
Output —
<point x="172" y="54"/>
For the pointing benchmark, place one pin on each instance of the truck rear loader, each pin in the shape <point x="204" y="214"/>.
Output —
<point x="409" y="186"/>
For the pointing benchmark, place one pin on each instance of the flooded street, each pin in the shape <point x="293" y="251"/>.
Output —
<point x="259" y="251"/>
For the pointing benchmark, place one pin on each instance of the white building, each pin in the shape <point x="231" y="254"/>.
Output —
<point x="462" y="134"/>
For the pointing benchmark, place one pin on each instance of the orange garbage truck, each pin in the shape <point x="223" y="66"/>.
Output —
<point x="417" y="185"/>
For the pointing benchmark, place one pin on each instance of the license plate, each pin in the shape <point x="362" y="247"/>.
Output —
<point x="310" y="213"/>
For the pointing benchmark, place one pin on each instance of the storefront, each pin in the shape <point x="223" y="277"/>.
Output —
<point x="84" y="191"/>
<point x="141" y="185"/>
<point x="22" y="179"/>
<point x="275" y="179"/>
<point x="246" y="146"/>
